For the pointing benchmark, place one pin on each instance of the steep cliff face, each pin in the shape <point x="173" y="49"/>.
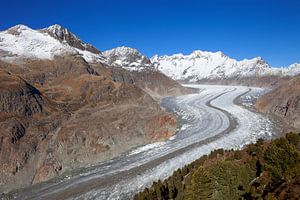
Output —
<point x="283" y="101"/>
<point x="18" y="96"/>
<point x="61" y="114"/>
<point x="65" y="36"/>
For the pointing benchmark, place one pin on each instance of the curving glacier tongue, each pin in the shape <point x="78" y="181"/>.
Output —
<point x="210" y="120"/>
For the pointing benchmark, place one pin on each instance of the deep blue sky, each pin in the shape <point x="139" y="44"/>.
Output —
<point x="239" y="28"/>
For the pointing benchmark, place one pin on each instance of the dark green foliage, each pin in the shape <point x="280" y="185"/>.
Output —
<point x="201" y="186"/>
<point x="215" y="153"/>
<point x="293" y="138"/>
<point x="282" y="160"/>
<point x="230" y="179"/>
<point x="260" y="142"/>
<point x="258" y="168"/>
<point x="258" y="172"/>
<point x="255" y="149"/>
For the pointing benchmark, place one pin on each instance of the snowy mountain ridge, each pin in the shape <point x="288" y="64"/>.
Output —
<point x="21" y="42"/>
<point x="216" y="65"/>
<point x="65" y="36"/>
<point x="129" y="58"/>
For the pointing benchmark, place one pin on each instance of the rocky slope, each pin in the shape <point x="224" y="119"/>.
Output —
<point x="145" y="74"/>
<point x="76" y="115"/>
<point x="208" y="66"/>
<point x="283" y="101"/>
<point x="63" y="106"/>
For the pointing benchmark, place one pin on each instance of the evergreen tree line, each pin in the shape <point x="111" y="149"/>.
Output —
<point x="265" y="170"/>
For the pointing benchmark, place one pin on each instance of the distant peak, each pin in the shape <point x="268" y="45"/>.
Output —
<point x="65" y="36"/>
<point x="58" y="30"/>
<point x="57" y="27"/>
<point x="128" y="57"/>
<point x="221" y="53"/>
<point x="259" y="59"/>
<point x="126" y="49"/>
<point x="18" y="28"/>
<point x="200" y="53"/>
<point x="123" y="50"/>
<point x="294" y="65"/>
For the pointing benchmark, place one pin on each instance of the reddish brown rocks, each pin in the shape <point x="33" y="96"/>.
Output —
<point x="63" y="114"/>
<point x="284" y="102"/>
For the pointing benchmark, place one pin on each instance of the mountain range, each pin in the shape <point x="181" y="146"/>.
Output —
<point x="216" y="65"/>
<point x="21" y="42"/>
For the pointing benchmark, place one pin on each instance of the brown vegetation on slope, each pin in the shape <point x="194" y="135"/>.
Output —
<point x="64" y="114"/>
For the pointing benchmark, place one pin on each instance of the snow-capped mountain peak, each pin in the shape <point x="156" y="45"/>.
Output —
<point x="122" y="51"/>
<point x="208" y="65"/>
<point x="57" y="29"/>
<point x="18" y="28"/>
<point x="128" y="58"/>
<point x="199" y="54"/>
<point x="21" y="42"/>
<point x="64" y="35"/>
<point x="59" y="32"/>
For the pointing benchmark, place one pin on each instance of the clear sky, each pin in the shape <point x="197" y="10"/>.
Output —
<point x="239" y="28"/>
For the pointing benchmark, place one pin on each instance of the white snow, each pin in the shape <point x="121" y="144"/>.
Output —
<point x="215" y="65"/>
<point x="146" y="148"/>
<point x="128" y="58"/>
<point x="91" y="57"/>
<point x="22" y="42"/>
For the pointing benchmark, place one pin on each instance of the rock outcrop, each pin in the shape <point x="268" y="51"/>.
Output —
<point x="18" y="96"/>
<point x="284" y="102"/>
<point x="65" y="36"/>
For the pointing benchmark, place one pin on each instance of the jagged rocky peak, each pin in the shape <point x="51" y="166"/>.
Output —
<point x="128" y="58"/>
<point x="257" y="63"/>
<point x="64" y="35"/>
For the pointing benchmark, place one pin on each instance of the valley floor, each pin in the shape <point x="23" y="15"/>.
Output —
<point x="208" y="120"/>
